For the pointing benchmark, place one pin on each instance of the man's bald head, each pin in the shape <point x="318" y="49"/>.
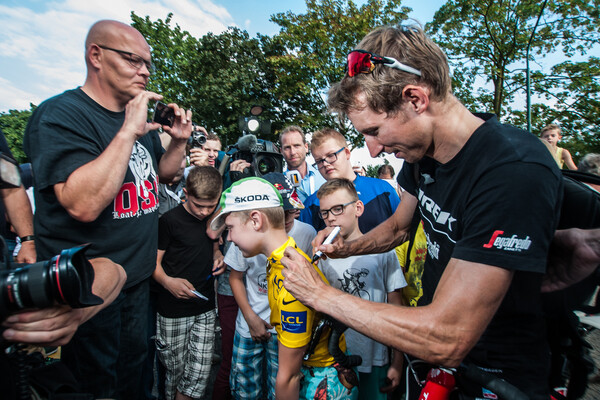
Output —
<point x="111" y="33"/>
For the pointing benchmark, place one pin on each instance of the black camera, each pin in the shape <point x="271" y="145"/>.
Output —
<point x="65" y="279"/>
<point x="197" y="138"/>
<point x="263" y="156"/>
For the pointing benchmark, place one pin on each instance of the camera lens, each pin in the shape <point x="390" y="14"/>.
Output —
<point x="65" y="279"/>
<point x="266" y="165"/>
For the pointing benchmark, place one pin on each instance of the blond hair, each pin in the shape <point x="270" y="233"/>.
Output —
<point x="336" y="184"/>
<point x="322" y="135"/>
<point x="275" y="216"/>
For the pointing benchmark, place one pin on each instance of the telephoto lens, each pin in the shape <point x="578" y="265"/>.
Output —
<point x="65" y="279"/>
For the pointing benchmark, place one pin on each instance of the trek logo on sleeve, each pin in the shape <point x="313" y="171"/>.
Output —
<point x="512" y="243"/>
<point x="293" y="322"/>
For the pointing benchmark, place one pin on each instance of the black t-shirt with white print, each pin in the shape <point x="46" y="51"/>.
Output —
<point x="496" y="203"/>
<point x="66" y="132"/>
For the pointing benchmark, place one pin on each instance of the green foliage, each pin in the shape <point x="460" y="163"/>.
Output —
<point x="486" y="42"/>
<point x="219" y="77"/>
<point x="13" y="124"/>
<point x="372" y="170"/>
<point x="317" y="43"/>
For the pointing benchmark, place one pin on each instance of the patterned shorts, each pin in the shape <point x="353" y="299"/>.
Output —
<point x="250" y="358"/>
<point x="185" y="347"/>
<point x="323" y="383"/>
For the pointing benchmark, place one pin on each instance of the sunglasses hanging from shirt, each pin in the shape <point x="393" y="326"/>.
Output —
<point x="363" y="62"/>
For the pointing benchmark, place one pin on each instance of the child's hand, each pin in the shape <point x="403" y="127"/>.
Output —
<point x="259" y="329"/>
<point x="179" y="287"/>
<point x="218" y="264"/>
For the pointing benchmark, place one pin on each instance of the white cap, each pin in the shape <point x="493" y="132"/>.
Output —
<point x="246" y="194"/>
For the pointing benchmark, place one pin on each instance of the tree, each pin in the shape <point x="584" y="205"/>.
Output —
<point x="13" y="124"/>
<point x="317" y="43"/>
<point x="486" y="43"/>
<point x="219" y="77"/>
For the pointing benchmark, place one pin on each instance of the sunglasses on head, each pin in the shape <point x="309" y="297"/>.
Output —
<point x="363" y="62"/>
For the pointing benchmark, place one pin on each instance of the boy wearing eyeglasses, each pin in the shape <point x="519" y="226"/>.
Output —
<point x="332" y="158"/>
<point x="373" y="277"/>
<point x="252" y="211"/>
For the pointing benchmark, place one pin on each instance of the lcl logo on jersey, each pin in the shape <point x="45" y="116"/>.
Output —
<point x="293" y="322"/>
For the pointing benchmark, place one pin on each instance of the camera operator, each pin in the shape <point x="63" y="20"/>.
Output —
<point x="97" y="162"/>
<point x="205" y="148"/>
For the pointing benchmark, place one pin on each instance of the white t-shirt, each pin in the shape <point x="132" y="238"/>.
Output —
<point x="256" y="274"/>
<point x="370" y="277"/>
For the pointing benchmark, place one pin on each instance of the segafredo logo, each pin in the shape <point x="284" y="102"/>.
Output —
<point x="512" y="243"/>
<point x="251" y="197"/>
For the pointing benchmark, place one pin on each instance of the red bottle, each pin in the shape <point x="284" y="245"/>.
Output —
<point x="438" y="385"/>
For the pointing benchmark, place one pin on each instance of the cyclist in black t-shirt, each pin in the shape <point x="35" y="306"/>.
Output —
<point x="473" y="181"/>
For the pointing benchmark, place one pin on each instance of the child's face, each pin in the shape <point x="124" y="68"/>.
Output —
<point x="290" y="216"/>
<point x="340" y="168"/>
<point x="348" y="219"/>
<point x="242" y="234"/>
<point x="552" y="136"/>
<point x="200" y="208"/>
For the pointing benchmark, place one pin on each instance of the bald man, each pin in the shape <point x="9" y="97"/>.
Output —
<point x="97" y="163"/>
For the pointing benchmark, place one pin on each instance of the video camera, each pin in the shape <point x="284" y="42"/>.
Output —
<point x="264" y="156"/>
<point x="65" y="279"/>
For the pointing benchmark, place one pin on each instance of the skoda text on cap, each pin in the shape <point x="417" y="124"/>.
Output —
<point x="246" y="194"/>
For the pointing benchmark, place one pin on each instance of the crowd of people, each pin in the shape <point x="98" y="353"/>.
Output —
<point x="444" y="263"/>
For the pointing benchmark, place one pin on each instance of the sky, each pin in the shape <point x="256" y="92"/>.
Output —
<point x="42" y="41"/>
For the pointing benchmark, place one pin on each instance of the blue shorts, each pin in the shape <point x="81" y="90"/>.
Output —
<point x="249" y="358"/>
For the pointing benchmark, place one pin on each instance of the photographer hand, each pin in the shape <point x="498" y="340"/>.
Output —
<point x="55" y="326"/>
<point x="182" y="127"/>
<point x="198" y="157"/>
<point x="239" y="165"/>
<point x="136" y="114"/>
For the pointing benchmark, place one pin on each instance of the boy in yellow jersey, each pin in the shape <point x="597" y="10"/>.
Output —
<point x="252" y="211"/>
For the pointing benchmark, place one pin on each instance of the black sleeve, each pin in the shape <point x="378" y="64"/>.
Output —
<point x="406" y="178"/>
<point x="510" y="217"/>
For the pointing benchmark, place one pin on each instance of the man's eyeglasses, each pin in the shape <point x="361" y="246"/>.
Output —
<point x="134" y="60"/>
<point x="363" y="62"/>
<point x="335" y="210"/>
<point x="330" y="158"/>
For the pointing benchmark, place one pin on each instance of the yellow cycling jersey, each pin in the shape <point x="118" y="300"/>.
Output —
<point x="292" y="320"/>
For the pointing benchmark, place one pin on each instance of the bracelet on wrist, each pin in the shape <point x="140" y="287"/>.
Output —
<point x="27" y="238"/>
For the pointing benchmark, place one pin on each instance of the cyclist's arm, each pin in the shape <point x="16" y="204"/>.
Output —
<point x="443" y="332"/>
<point x="384" y="237"/>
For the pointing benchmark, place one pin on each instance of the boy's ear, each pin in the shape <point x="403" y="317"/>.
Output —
<point x="257" y="219"/>
<point x="360" y="208"/>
